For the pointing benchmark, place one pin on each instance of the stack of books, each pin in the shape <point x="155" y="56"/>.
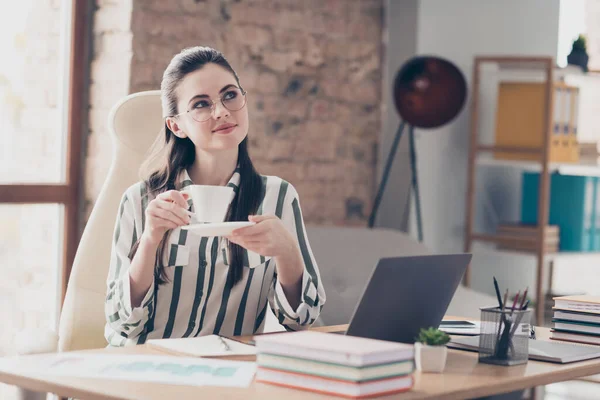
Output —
<point x="334" y="364"/>
<point x="522" y="237"/>
<point x="577" y="319"/>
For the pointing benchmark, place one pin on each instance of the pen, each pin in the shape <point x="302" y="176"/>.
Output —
<point x="512" y="310"/>
<point x="224" y="343"/>
<point x="524" y="297"/>
<point x="497" y="293"/>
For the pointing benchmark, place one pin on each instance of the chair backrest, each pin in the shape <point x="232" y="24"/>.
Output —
<point x="346" y="257"/>
<point x="134" y="123"/>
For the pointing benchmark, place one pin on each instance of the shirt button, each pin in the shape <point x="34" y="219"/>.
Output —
<point x="203" y="263"/>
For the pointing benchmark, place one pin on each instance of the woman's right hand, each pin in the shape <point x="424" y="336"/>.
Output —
<point x="167" y="211"/>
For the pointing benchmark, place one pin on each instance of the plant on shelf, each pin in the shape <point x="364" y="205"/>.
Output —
<point x="431" y="350"/>
<point x="578" y="55"/>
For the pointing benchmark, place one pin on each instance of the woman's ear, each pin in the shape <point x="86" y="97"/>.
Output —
<point x="175" y="128"/>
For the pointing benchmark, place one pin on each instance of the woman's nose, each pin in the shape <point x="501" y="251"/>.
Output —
<point x="220" y="111"/>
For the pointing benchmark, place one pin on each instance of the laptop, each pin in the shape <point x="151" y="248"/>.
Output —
<point x="405" y="294"/>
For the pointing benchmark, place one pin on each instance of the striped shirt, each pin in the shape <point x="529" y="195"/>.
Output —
<point x="196" y="300"/>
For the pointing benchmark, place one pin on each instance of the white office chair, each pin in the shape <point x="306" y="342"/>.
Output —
<point x="134" y="123"/>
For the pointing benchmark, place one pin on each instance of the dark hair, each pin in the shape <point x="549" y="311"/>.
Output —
<point x="180" y="154"/>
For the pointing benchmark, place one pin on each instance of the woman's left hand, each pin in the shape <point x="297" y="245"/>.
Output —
<point x="269" y="237"/>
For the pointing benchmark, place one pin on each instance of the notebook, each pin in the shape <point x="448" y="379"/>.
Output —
<point x="328" y="347"/>
<point x="335" y="371"/>
<point x="539" y="350"/>
<point x="333" y="386"/>
<point x="202" y="346"/>
<point x="584" y="303"/>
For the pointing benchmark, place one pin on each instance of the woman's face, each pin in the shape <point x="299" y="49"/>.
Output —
<point x="223" y="129"/>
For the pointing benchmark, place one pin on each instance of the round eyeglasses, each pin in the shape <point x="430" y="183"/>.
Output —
<point x="234" y="99"/>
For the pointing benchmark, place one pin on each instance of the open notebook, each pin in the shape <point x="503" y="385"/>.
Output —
<point x="203" y="346"/>
<point x="539" y="350"/>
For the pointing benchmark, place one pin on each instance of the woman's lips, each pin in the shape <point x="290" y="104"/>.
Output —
<point x="225" y="130"/>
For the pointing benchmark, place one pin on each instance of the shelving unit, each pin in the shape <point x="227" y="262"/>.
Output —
<point x="481" y="154"/>
<point x="562" y="168"/>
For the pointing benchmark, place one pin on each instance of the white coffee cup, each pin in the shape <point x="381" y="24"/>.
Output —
<point x="210" y="202"/>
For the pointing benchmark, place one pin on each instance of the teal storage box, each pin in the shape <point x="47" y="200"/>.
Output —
<point x="574" y="207"/>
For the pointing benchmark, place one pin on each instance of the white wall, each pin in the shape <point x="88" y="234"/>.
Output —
<point x="400" y="36"/>
<point x="458" y="30"/>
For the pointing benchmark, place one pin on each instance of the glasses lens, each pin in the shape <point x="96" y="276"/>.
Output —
<point x="233" y="99"/>
<point x="201" y="114"/>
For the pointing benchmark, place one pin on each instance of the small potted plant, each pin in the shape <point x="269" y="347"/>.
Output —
<point x="579" y="55"/>
<point x="431" y="350"/>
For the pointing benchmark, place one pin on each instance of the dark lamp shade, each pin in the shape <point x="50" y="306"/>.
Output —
<point x="429" y="92"/>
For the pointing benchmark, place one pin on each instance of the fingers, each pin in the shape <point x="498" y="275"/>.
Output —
<point x="159" y="222"/>
<point x="176" y="210"/>
<point x="260" y="218"/>
<point x="175" y="197"/>
<point x="257" y="246"/>
<point x="170" y="212"/>
<point x="250" y="230"/>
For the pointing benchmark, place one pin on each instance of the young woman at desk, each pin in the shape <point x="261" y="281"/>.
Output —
<point x="167" y="282"/>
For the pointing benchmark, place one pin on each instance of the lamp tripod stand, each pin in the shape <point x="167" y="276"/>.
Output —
<point x="428" y="93"/>
<point x="414" y="180"/>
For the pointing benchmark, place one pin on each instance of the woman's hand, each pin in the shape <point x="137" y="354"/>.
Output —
<point x="269" y="237"/>
<point x="167" y="211"/>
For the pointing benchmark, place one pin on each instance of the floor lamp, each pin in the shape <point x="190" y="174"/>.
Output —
<point x="428" y="93"/>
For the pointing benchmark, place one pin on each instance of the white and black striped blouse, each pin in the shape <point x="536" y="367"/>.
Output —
<point x="196" y="300"/>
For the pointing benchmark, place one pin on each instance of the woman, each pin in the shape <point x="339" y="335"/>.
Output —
<point x="167" y="282"/>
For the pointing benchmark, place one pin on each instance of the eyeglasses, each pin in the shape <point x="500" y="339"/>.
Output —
<point x="234" y="99"/>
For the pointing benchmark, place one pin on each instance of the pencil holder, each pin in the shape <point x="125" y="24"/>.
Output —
<point x="504" y="338"/>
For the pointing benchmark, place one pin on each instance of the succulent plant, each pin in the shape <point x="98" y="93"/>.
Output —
<point x="433" y="337"/>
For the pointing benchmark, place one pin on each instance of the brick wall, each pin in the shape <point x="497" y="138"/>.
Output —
<point x="592" y="23"/>
<point x="109" y="81"/>
<point x="313" y="73"/>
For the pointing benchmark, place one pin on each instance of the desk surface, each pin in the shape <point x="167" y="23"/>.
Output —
<point x="463" y="378"/>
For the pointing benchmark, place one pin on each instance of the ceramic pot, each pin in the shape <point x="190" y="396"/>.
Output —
<point x="430" y="358"/>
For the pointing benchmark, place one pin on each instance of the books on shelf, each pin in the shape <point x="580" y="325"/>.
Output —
<point x="334" y="364"/>
<point x="522" y="237"/>
<point x="577" y="319"/>
<point x="589" y="153"/>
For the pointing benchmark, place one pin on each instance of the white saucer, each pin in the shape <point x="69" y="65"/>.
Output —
<point x="217" y="228"/>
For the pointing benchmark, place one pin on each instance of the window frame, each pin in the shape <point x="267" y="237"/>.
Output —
<point x="69" y="193"/>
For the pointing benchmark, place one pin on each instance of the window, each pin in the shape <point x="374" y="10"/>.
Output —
<point x="41" y="113"/>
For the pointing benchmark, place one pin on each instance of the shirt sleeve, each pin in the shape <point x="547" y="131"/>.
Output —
<point x="123" y="321"/>
<point x="313" y="292"/>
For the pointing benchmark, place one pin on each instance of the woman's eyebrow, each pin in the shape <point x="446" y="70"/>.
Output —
<point x="201" y="96"/>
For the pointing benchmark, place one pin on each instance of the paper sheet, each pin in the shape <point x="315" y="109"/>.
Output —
<point x="203" y="346"/>
<point x="150" y="368"/>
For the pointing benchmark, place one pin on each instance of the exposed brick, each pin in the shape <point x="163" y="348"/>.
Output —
<point x="256" y="38"/>
<point x="112" y="18"/>
<point x="281" y="61"/>
<point x="312" y="70"/>
<point x="318" y="141"/>
<point x="113" y="42"/>
<point x="280" y="150"/>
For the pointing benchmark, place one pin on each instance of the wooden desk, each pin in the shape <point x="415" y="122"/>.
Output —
<point x="463" y="378"/>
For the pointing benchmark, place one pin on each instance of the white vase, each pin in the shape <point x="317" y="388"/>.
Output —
<point x="430" y="358"/>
